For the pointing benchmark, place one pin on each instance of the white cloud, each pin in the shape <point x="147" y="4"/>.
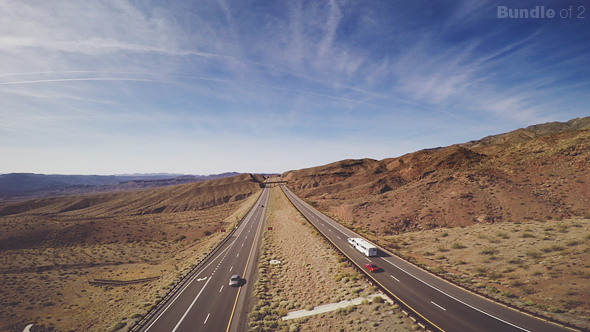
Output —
<point x="219" y="74"/>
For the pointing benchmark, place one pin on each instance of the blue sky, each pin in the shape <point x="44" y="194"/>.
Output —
<point x="201" y="87"/>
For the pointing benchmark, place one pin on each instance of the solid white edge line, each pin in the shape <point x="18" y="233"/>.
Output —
<point x="185" y="286"/>
<point x="190" y="307"/>
<point x="438" y="306"/>
<point x="456" y="299"/>
<point x="321" y="216"/>
<point x="247" y="219"/>
<point x="195" y="300"/>
<point x="259" y="233"/>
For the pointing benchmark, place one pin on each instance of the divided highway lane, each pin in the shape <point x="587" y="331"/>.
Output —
<point x="443" y="304"/>
<point x="207" y="302"/>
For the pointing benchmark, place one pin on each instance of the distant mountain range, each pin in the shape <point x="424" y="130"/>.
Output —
<point x="29" y="185"/>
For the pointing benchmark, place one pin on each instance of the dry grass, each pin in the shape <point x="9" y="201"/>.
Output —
<point x="541" y="265"/>
<point x="544" y="177"/>
<point x="45" y="278"/>
<point x="310" y="274"/>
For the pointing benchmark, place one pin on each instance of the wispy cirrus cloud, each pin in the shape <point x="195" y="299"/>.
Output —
<point x="213" y="73"/>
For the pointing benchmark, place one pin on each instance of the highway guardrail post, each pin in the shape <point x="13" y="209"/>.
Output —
<point x="172" y="292"/>
<point x="365" y="273"/>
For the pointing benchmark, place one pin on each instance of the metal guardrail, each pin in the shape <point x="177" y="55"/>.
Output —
<point x="406" y="309"/>
<point x="491" y="298"/>
<point x="106" y="282"/>
<point x="174" y="290"/>
<point x="402" y="304"/>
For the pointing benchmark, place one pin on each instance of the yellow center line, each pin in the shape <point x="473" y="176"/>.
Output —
<point x="360" y="268"/>
<point x="244" y="274"/>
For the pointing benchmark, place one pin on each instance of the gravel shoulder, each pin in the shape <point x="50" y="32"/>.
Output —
<point x="311" y="274"/>
<point x="540" y="266"/>
<point x="48" y="286"/>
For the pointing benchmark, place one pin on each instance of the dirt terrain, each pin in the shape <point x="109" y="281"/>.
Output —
<point x="50" y="248"/>
<point x="311" y="274"/>
<point x="505" y="216"/>
<point x="542" y="266"/>
<point x="520" y="175"/>
<point x="25" y="186"/>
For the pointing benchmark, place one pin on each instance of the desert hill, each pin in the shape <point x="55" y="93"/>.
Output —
<point x="21" y="186"/>
<point x="522" y="135"/>
<point x="51" y="247"/>
<point x="83" y="217"/>
<point x="540" y="172"/>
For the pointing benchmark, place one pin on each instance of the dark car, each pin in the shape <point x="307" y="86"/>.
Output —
<point x="372" y="267"/>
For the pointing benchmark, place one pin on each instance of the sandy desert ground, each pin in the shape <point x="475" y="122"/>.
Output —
<point x="311" y="274"/>
<point x="46" y="282"/>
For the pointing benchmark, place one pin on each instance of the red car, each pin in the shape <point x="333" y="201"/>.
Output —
<point x="372" y="267"/>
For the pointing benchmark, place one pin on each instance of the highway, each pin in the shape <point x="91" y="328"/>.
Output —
<point x="441" y="304"/>
<point x="207" y="302"/>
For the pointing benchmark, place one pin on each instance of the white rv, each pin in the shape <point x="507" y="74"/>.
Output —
<point x="363" y="246"/>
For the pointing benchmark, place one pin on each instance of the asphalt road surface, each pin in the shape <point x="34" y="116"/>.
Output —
<point x="207" y="302"/>
<point x="442" y="304"/>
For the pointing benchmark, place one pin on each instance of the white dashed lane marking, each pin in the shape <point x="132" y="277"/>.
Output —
<point x="438" y="306"/>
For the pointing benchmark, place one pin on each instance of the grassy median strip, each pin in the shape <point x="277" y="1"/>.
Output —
<point x="306" y="273"/>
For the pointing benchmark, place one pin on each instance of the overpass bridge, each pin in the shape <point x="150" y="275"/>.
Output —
<point x="271" y="184"/>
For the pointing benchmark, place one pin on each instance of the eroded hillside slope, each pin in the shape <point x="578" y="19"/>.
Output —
<point x="50" y="248"/>
<point x="540" y="172"/>
<point x="97" y="218"/>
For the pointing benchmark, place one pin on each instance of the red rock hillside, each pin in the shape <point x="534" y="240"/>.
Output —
<point x="539" y="172"/>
